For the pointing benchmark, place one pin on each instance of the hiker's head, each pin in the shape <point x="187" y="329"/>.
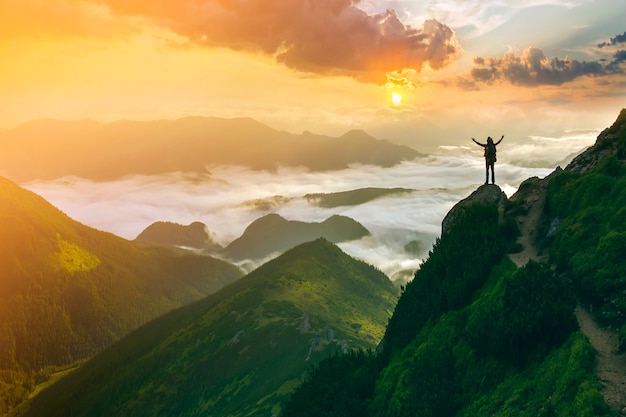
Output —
<point x="489" y="140"/>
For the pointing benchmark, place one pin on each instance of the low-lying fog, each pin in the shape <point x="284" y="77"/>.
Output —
<point x="225" y="200"/>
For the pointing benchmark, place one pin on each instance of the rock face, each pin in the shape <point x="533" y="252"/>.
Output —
<point x="610" y="142"/>
<point x="485" y="194"/>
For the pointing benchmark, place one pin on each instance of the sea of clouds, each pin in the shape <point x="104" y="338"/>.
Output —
<point x="227" y="199"/>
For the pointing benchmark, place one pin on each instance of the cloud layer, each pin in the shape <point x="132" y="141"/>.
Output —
<point x="127" y="206"/>
<point x="329" y="37"/>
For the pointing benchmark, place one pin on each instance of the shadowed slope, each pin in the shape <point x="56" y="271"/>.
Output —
<point x="273" y="233"/>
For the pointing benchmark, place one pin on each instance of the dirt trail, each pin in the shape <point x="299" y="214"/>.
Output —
<point x="610" y="366"/>
<point x="528" y="224"/>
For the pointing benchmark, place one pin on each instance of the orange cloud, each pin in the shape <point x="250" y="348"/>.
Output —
<point x="329" y="37"/>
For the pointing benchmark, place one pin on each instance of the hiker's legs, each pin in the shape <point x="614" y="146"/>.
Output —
<point x="493" y="174"/>
<point x="486" y="172"/>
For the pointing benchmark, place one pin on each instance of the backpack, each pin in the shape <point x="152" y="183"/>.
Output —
<point x="490" y="151"/>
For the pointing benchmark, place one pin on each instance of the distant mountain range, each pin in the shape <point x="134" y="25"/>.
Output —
<point x="354" y="197"/>
<point x="67" y="290"/>
<point x="274" y="234"/>
<point x="49" y="149"/>
<point x="239" y="352"/>
<point x="329" y="200"/>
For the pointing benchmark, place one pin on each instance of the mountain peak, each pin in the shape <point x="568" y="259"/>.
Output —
<point x="273" y="233"/>
<point x="611" y="141"/>
<point x="356" y="134"/>
<point x="195" y="235"/>
<point x="485" y="194"/>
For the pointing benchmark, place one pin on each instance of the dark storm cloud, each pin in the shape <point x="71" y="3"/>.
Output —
<point x="531" y="68"/>
<point x="320" y="36"/>
<point x="614" y="41"/>
<point x="618" y="58"/>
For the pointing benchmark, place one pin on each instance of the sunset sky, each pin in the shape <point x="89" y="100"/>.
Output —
<point x="527" y="68"/>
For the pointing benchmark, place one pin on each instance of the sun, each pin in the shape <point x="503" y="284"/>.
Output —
<point x="396" y="98"/>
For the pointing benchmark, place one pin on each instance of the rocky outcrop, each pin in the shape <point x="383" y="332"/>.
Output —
<point x="485" y="194"/>
<point x="611" y="141"/>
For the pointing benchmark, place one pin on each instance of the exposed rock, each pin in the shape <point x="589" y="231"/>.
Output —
<point x="236" y="338"/>
<point x="609" y="142"/>
<point x="485" y="194"/>
<point x="305" y="327"/>
<point x="554" y="227"/>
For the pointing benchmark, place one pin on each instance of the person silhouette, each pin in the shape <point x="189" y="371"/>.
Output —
<point x="490" y="157"/>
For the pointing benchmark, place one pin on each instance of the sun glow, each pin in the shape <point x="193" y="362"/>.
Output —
<point x="396" y="98"/>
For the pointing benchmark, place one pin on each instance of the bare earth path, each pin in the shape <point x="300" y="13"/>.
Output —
<point x="610" y="366"/>
<point x="528" y="224"/>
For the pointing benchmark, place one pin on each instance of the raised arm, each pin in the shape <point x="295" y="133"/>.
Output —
<point x="498" y="142"/>
<point x="478" y="143"/>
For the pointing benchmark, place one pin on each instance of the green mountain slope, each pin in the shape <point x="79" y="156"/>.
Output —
<point x="239" y="352"/>
<point x="67" y="291"/>
<point x="48" y="149"/>
<point x="273" y="233"/>
<point x="474" y="335"/>
<point x="584" y="230"/>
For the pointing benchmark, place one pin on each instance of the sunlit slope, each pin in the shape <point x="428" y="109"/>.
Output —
<point x="239" y="352"/>
<point x="473" y="335"/>
<point x="50" y="149"/>
<point x="67" y="291"/>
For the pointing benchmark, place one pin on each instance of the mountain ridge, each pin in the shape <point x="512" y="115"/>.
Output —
<point x="49" y="149"/>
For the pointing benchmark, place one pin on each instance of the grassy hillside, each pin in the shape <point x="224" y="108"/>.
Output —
<point x="273" y="233"/>
<point x="585" y="226"/>
<point x="239" y="352"/>
<point x="67" y="291"/>
<point x="473" y="335"/>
